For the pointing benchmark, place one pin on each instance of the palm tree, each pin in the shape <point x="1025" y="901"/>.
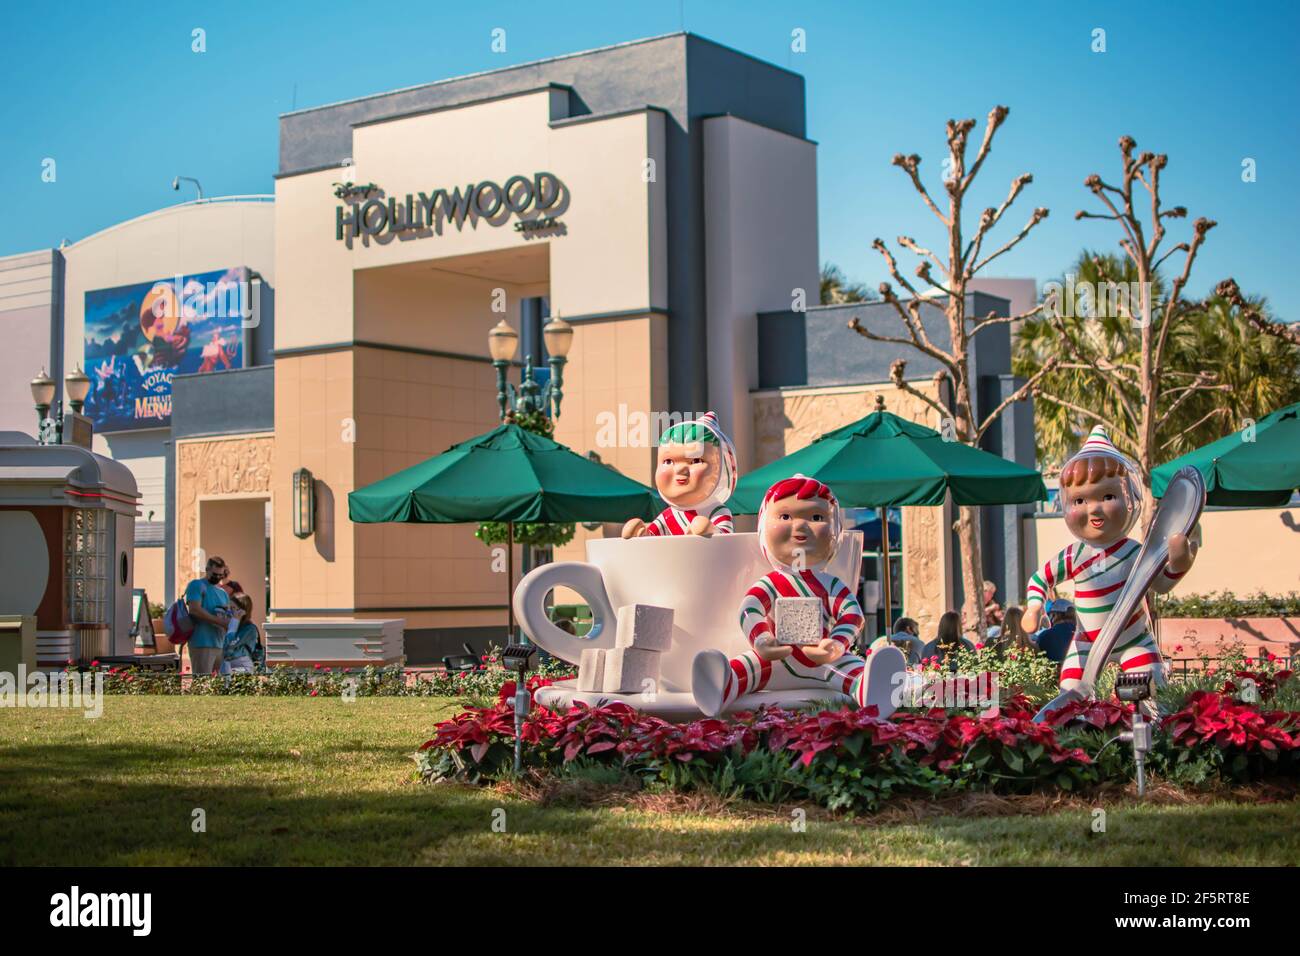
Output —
<point x="836" y="289"/>
<point x="1239" y="372"/>
<point x="1260" y="373"/>
<point x="1102" y="328"/>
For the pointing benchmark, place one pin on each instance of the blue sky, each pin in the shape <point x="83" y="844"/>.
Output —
<point x="113" y="93"/>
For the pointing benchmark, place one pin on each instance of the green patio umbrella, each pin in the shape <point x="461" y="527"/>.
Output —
<point x="884" y="461"/>
<point x="507" y="474"/>
<point x="1249" y="469"/>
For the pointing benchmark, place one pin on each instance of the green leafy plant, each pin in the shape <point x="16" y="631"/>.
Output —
<point x="482" y="687"/>
<point x="1225" y="604"/>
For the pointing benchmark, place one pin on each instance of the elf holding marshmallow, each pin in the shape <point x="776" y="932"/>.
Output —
<point x="799" y="528"/>
<point x="695" y="476"/>
<point x="1101" y="494"/>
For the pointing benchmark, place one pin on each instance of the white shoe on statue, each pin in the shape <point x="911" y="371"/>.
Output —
<point x="709" y="674"/>
<point x="883" y="679"/>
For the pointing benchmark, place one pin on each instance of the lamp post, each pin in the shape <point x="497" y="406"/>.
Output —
<point x="49" y="427"/>
<point x="529" y="397"/>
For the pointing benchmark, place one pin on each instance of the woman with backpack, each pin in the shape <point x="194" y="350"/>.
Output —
<point x="243" y="650"/>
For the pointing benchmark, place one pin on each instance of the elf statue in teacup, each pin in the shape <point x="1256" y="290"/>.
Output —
<point x="695" y="476"/>
<point x="1101" y="494"/>
<point x="799" y="529"/>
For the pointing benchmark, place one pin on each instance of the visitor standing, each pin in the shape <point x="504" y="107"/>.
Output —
<point x="209" y="606"/>
<point x="243" y="647"/>
<point x="992" y="609"/>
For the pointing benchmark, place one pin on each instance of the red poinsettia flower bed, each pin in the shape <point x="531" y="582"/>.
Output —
<point x="933" y="738"/>
<point x="852" y="758"/>
<point x="1220" y="721"/>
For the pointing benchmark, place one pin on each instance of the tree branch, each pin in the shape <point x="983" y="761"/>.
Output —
<point x="856" y="326"/>
<point x="996" y="116"/>
<point x="1038" y="216"/>
<point x="1227" y="289"/>
<point x="912" y="322"/>
<point x="1221" y="410"/>
<point x="909" y="165"/>
<point x="1199" y="229"/>
<point x="1103" y="369"/>
<point x="1018" y="395"/>
<point x="990" y="218"/>
<point x="1117" y="434"/>
<point x="897" y="369"/>
<point x="1187" y="392"/>
<point x="992" y="319"/>
<point x="907" y="242"/>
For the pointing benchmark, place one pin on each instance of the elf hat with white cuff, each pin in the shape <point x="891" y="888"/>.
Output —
<point x="1099" y="445"/>
<point x="699" y="432"/>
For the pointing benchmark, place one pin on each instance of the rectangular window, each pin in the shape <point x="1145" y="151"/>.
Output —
<point x="86" y="565"/>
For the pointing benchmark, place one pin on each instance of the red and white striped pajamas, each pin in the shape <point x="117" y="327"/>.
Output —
<point x="841" y="621"/>
<point x="1099" y="575"/>
<point x="678" y="521"/>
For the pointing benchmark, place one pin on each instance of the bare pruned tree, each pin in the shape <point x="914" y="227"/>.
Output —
<point x="1148" y="394"/>
<point x="956" y="266"/>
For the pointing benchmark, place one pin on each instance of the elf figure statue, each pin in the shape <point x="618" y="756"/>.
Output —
<point x="1101" y="495"/>
<point x="695" y="476"/>
<point x="799" y="528"/>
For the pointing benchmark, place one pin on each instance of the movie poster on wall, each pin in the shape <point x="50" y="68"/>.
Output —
<point x="139" y="337"/>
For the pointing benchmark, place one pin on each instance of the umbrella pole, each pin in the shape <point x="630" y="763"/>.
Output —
<point x="884" y="566"/>
<point x="510" y="582"/>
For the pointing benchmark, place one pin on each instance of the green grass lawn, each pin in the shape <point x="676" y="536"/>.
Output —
<point x="307" y="781"/>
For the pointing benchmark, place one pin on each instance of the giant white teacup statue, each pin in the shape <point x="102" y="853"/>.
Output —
<point x="678" y="583"/>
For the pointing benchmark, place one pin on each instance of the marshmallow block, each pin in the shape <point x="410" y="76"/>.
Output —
<point x="591" y="669"/>
<point x="645" y="627"/>
<point x="627" y="669"/>
<point x="798" y="620"/>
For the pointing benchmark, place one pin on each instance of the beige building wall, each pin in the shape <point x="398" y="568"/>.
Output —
<point x="1238" y="551"/>
<point x="434" y="296"/>
<point x="760" y="222"/>
<point x="411" y="407"/>
<point x="615" y="379"/>
<point x="788" y="419"/>
<point x="234" y="528"/>
<point x="210" y="471"/>
<point x="151" y="574"/>
<point x="610" y="257"/>
<point x="315" y="416"/>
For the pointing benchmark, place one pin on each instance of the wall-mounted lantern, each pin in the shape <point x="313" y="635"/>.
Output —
<point x="304" y="503"/>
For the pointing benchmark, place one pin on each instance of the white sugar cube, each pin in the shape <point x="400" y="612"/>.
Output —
<point x="645" y="627"/>
<point x="798" y="620"/>
<point x="591" y="669"/>
<point x="628" y="668"/>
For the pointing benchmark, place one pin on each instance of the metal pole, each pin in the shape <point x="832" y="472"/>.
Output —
<point x="1139" y="751"/>
<point x="884" y="567"/>
<point x="510" y="581"/>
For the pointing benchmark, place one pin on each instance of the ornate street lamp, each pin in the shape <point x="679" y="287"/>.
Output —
<point x="530" y="397"/>
<point x="49" y="414"/>
<point x="78" y="385"/>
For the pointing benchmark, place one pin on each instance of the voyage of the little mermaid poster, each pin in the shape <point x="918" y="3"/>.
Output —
<point x="139" y="337"/>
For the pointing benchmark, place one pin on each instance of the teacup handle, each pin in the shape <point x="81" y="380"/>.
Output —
<point x="530" y="608"/>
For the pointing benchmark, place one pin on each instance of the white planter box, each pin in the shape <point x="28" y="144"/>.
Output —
<point x="341" y="642"/>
